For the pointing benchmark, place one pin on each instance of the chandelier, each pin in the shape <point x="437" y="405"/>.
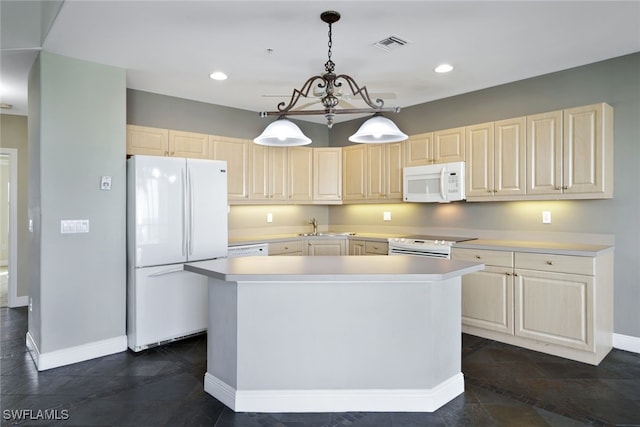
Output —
<point x="378" y="129"/>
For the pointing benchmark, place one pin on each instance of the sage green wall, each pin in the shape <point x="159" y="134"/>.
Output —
<point x="161" y="111"/>
<point x="616" y="82"/>
<point x="77" y="134"/>
<point x="13" y="134"/>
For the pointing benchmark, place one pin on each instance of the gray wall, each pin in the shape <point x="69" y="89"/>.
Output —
<point x="150" y="109"/>
<point x="76" y="135"/>
<point x="616" y="82"/>
<point x="13" y="134"/>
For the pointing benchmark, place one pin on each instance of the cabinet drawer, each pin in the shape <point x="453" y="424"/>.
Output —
<point x="378" y="248"/>
<point x="555" y="263"/>
<point x="488" y="257"/>
<point x="283" y="248"/>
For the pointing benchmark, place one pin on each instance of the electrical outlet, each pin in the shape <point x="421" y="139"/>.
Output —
<point x="386" y="216"/>
<point x="269" y="217"/>
<point x="546" y="217"/>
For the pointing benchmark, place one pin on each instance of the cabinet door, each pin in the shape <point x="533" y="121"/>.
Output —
<point x="290" y="247"/>
<point x="376" y="248"/>
<point x="324" y="247"/>
<point x="279" y="168"/>
<point x="487" y="299"/>
<point x="300" y="173"/>
<point x="585" y="132"/>
<point x="376" y="175"/>
<point x="356" y="247"/>
<point x="147" y="141"/>
<point x="188" y="144"/>
<point x="418" y="149"/>
<point x="394" y="164"/>
<point x="354" y="172"/>
<point x="480" y="160"/>
<point x="449" y="145"/>
<point x="555" y="308"/>
<point x="259" y="177"/>
<point x="327" y="174"/>
<point x="236" y="153"/>
<point x="544" y="153"/>
<point x="510" y="157"/>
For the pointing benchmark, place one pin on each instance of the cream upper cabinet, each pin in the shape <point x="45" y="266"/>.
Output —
<point x="327" y="174"/>
<point x="480" y="156"/>
<point x="449" y="145"/>
<point x="418" y="150"/>
<point x="570" y="153"/>
<point x="188" y="144"/>
<point x="544" y="153"/>
<point x="236" y="153"/>
<point x="496" y="160"/>
<point x="354" y="172"/>
<point x="300" y="173"/>
<point x="384" y="165"/>
<point x="588" y="150"/>
<point x="164" y="142"/>
<point x="268" y="178"/>
<point x="147" y="141"/>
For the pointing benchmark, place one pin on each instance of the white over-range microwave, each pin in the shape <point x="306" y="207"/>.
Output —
<point x="441" y="183"/>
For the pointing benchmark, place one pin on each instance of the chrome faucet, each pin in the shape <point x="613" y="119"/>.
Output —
<point x="315" y="225"/>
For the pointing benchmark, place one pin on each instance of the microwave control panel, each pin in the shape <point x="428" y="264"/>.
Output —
<point x="453" y="183"/>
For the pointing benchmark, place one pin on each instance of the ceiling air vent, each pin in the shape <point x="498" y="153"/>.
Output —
<point x="391" y="43"/>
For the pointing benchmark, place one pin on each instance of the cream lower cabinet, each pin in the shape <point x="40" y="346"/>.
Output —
<point x="289" y="247"/>
<point x="368" y="247"/>
<point x="556" y="304"/>
<point x="322" y="247"/>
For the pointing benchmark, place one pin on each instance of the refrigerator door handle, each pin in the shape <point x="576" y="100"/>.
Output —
<point x="169" y="271"/>
<point x="184" y="214"/>
<point x="191" y="218"/>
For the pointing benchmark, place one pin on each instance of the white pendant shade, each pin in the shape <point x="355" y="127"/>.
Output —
<point x="282" y="133"/>
<point x="378" y="130"/>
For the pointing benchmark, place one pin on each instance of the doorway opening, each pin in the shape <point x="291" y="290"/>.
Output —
<point x="8" y="227"/>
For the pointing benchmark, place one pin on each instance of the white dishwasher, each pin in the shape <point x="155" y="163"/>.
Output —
<point x="258" y="249"/>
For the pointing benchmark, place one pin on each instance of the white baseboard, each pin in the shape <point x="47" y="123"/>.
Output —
<point x="80" y="353"/>
<point x="375" y="400"/>
<point x="626" y="342"/>
<point x="19" y="301"/>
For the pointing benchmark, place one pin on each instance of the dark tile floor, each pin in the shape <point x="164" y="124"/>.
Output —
<point x="163" y="386"/>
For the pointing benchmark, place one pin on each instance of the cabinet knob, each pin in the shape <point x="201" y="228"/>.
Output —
<point x="508" y="274"/>
<point x="515" y="274"/>
<point x="565" y="187"/>
<point x="478" y="257"/>
<point x="286" y="248"/>
<point x="166" y="153"/>
<point x="549" y="262"/>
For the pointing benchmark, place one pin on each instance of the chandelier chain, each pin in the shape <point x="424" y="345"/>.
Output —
<point x="329" y="66"/>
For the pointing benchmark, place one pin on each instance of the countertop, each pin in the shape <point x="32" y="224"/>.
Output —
<point x="577" y="249"/>
<point x="333" y="268"/>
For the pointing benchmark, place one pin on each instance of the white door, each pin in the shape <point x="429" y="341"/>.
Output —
<point x="158" y="210"/>
<point x="207" y="196"/>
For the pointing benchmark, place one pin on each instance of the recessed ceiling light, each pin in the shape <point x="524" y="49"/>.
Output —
<point x="218" y="75"/>
<point x="443" y="68"/>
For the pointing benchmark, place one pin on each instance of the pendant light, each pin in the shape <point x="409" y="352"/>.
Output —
<point x="282" y="133"/>
<point x="378" y="129"/>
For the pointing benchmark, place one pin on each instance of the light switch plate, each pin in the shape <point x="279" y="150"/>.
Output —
<point x="546" y="217"/>
<point x="105" y="183"/>
<point x="386" y="216"/>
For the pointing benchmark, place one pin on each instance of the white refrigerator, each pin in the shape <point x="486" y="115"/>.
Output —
<point x="176" y="213"/>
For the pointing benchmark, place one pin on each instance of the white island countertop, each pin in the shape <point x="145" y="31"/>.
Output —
<point x="327" y="268"/>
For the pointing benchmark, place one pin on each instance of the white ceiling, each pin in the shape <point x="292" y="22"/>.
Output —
<point x="170" y="47"/>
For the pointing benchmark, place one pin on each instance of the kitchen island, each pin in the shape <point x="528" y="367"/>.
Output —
<point x="334" y="334"/>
